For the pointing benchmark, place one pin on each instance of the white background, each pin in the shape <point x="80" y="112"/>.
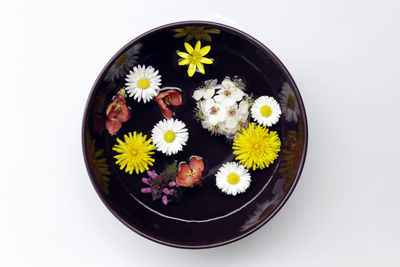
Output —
<point x="344" y="56"/>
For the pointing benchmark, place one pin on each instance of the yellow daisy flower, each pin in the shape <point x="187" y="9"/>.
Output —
<point x="98" y="164"/>
<point x="197" y="32"/>
<point x="255" y="147"/>
<point x="134" y="153"/>
<point x="195" y="57"/>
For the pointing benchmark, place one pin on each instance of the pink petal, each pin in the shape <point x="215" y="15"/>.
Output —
<point x="146" y="190"/>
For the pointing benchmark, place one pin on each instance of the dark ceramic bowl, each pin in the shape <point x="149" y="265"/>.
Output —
<point x="206" y="217"/>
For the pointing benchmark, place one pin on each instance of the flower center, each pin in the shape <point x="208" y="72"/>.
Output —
<point x="266" y="111"/>
<point x="196" y="57"/>
<point x="133" y="152"/>
<point x="291" y="102"/>
<point x="121" y="60"/>
<point x="144" y="83"/>
<point x="233" y="178"/>
<point x="232" y="112"/>
<point x="227" y="93"/>
<point x="169" y="136"/>
<point x="213" y="110"/>
<point x="167" y="100"/>
<point x="191" y="172"/>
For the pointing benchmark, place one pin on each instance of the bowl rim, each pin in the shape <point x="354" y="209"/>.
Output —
<point x="276" y="60"/>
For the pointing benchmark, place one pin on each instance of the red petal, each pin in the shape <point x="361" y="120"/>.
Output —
<point x="124" y="115"/>
<point x="113" y="126"/>
<point x="197" y="164"/>
<point x="160" y="101"/>
<point x="176" y="98"/>
<point x="110" y="111"/>
<point x="184" y="182"/>
<point x="183" y="170"/>
<point x="167" y="113"/>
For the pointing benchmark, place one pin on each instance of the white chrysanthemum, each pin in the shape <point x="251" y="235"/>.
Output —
<point x="169" y="136"/>
<point x="126" y="61"/>
<point x="143" y="83"/>
<point x="214" y="112"/>
<point x="228" y="96"/>
<point x="289" y="104"/>
<point x="207" y="91"/>
<point x="233" y="178"/>
<point x="266" y="111"/>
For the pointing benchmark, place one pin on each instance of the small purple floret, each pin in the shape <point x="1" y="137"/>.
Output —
<point x="146" y="190"/>
<point x="165" y="199"/>
<point x="152" y="174"/>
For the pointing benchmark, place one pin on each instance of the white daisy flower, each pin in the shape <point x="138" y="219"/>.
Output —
<point x="289" y="104"/>
<point x="233" y="178"/>
<point x="228" y="96"/>
<point x="266" y="111"/>
<point x="126" y="61"/>
<point x="207" y="91"/>
<point x="169" y="136"/>
<point x="143" y="83"/>
<point x="214" y="112"/>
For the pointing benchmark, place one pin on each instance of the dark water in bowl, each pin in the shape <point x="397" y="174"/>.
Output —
<point x="233" y="56"/>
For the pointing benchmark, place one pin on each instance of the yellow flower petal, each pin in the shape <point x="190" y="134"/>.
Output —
<point x="188" y="47"/>
<point x="178" y="30"/>
<point x="191" y="70"/>
<point x="216" y="31"/>
<point x="182" y="54"/>
<point x="189" y="37"/>
<point x="179" y="34"/>
<point x="200" y="67"/>
<point x="198" y="46"/>
<point x="184" y="62"/>
<point x="204" y="51"/>
<point x="206" y="37"/>
<point x="206" y="60"/>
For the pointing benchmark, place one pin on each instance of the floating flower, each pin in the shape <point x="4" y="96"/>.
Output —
<point x="214" y="112"/>
<point x="98" y="164"/>
<point x="207" y="90"/>
<point x="228" y="96"/>
<point x="233" y="178"/>
<point x="289" y="104"/>
<point x="224" y="111"/>
<point x="170" y="136"/>
<point x="168" y="98"/>
<point x="195" y="58"/>
<point x="198" y="32"/>
<point x="236" y="83"/>
<point x="134" y="153"/>
<point x="266" y="111"/>
<point x="143" y="83"/>
<point x="117" y="113"/>
<point x="255" y="147"/>
<point x="190" y="174"/>
<point x="126" y="61"/>
<point x="162" y="186"/>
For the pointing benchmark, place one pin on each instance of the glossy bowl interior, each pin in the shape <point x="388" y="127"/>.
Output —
<point x="206" y="217"/>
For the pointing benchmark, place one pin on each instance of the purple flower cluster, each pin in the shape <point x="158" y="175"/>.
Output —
<point x="160" y="186"/>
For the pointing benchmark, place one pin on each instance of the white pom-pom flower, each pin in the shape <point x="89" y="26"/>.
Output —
<point x="169" y="136"/>
<point x="266" y="111"/>
<point x="233" y="178"/>
<point x="143" y="83"/>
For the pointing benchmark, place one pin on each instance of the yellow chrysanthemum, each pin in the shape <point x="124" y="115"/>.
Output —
<point x="98" y="164"/>
<point x="255" y="147"/>
<point x="197" y="32"/>
<point x="195" y="57"/>
<point x="134" y="153"/>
